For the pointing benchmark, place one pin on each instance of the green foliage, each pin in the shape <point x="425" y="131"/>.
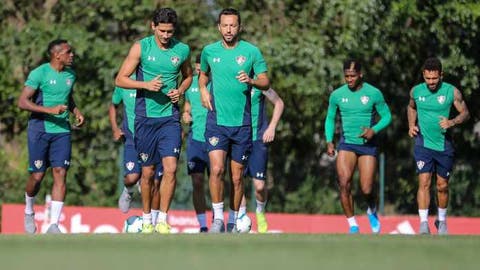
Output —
<point x="304" y="43"/>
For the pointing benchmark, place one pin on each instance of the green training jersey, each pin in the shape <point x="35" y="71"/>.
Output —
<point x="430" y="107"/>
<point x="231" y="98"/>
<point x="357" y="110"/>
<point x="198" y="112"/>
<point x="167" y="63"/>
<point x="127" y="97"/>
<point x="259" y="115"/>
<point x="52" y="88"/>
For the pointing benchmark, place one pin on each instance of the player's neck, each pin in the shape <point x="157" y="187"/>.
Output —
<point x="57" y="66"/>
<point x="230" y="45"/>
<point x="163" y="46"/>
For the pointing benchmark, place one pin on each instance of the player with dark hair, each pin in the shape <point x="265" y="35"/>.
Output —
<point x="157" y="61"/>
<point x="48" y="95"/>
<point x="428" y="122"/>
<point x="358" y="103"/>
<point x="232" y="64"/>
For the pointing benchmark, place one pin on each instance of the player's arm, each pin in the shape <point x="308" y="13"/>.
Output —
<point x="330" y="126"/>
<point x="187" y="77"/>
<point x="261" y="82"/>
<point x="79" y="118"/>
<point x="274" y="98"/>
<point x="385" y="119"/>
<point x="187" y="112"/>
<point x="461" y="107"/>
<point x="25" y="103"/>
<point x="412" y="116"/>
<point x="112" y="116"/>
<point x="205" y="95"/>
<point x="129" y="66"/>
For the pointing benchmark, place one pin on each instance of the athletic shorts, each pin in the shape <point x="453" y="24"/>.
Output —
<point x="197" y="156"/>
<point x="236" y="141"/>
<point x="368" y="150"/>
<point x="432" y="161"/>
<point x="156" y="138"/>
<point x="257" y="162"/>
<point x="48" y="150"/>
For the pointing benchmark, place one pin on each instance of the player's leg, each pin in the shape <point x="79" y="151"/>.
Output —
<point x="148" y="172"/>
<point x="258" y="169"/>
<point x="346" y="162"/>
<point x="215" y="183"/>
<point x="199" y="202"/>
<point x="60" y="154"/>
<point x="197" y="163"/>
<point x="424" y="168"/>
<point x="261" y="200"/>
<point x="132" y="169"/>
<point x="444" y="165"/>
<point x="237" y="186"/>
<point x="155" y="205"/>
<point x="367" y="167"/>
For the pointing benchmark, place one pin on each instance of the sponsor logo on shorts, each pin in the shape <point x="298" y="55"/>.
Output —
<point x="441" y="99"/>
<point x="364" y="100"/>
<point x="144" y="157"/>
<point x="176" y="150"/>
<point x="420" y="164"/>
<point x="66" y="162"/>
<point x="130" y="165"/>
<point x="38" y="163"/>
<point x="213" y="140"/>
<point x="244" y="157"/>
<point x="259" y="174"/>
<point x="191" y="165"/>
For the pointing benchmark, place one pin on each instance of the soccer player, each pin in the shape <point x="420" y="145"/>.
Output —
<point x="197" y="157"/>
<point x="157" y="61"/>
<point x="428" y="122"/>
<point x="358" y="103"/>
<point x="263" y="133"/>
<point x="231" y="63"/>
<point x="131" y="160"/>
<point x="48" y="95"/>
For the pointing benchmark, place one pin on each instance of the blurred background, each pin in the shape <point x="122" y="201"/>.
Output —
<point x="304" y="43"/>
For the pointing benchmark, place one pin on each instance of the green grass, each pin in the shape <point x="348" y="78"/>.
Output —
<point x="245" y="252"/>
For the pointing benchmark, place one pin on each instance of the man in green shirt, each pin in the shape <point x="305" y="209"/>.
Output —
<point x="358" y="103"/>
<point x="428" y="122"/>
<point x="48" y="95"/>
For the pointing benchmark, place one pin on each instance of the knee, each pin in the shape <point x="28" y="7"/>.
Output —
<point x="131" y="179"/>
<point x="217" y="171"/>
<point x="344" y="184"/>
<point x="442" y="187"/>
<point x="59" y="172"/>
<point x="37" y="177"/>
<point x="260" y="186"/>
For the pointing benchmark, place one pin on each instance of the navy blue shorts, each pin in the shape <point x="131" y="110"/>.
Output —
<point x="369" y="150"/>
<point x="432" y="161"/>
<point x="257" y="162"/>
<point x="197" y="156"/>
<point x="156" y="138"/>
<point x="237" y="141"/>
<point x="131" y="163"/>
<point x="48" y="150"/>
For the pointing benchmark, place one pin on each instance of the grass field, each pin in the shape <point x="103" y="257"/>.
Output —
<point x="246" y="252"/>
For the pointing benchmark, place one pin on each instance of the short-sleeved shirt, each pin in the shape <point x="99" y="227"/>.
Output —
<point x="199" y="113"/>
<point x="127" y="97"/>
<point x="357" y="110"/>
<point x="430" y="107"/>
<point x="52" y="88"/>
<point x="165" y="62"/>
<point x="231" y="99"/>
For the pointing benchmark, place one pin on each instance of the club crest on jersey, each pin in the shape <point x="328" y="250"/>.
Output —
<point x="38" y="163"/>
<point x="175" y="60"/>
<point x="441" y="99"/>
<point x="213" y="140"/>
<point x="364" y="100"/>
<point x="191" y="165"/>
<point x="130" y="165"/>
<point x="144" y="156"/>
<point x="420" y="164"/>
<point x="240" y="59"/>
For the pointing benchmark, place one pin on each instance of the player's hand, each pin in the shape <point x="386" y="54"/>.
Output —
<point x="331" y="149"/>
<point x="367" y="133"/>
<point x="79" y="119"/>
<point x="118" y="135"/>
<point x="174" y="95"/>
<point x="269" y="135"/>
<point x="413" y="131"/>
<point x="59" y="109"/>
<point x="206" y="99"/>
<point x="186" y="117"/>
<point x="445" y="123"/>
<point x="155" y="84"/>
<point x="243" y="77"/>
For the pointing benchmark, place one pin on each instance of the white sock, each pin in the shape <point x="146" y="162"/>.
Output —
<point x="29" y="202"/>
<point x="218" y="210"/>
<point x="147" y="218"/>
<point x="154" y="215"/>
<point x="371" y="211"/>
<point x="352" y="221"/>
<point x="232" y="216"/>
<point x="242" y="210"/>
<point x="55" y="212"/>
<point x="442" y="214"/>
<point x="162" y="217"/>
<point x="260" y="206"/>
<point x="202" y="220"/>
<point x="423" y="214"/>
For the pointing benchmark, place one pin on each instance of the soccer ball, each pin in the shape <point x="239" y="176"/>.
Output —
<point x="133" y="224"/>
<point x="244" y="224"/>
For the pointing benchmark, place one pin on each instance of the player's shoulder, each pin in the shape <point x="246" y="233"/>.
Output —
<point x="178" y="45"/>
<point x="340" y="90"/>
<point x="70" y="71"/>
<point x="213" y="46"/>
<point x="45" y="67"/>
<point x="372" y="89"/>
